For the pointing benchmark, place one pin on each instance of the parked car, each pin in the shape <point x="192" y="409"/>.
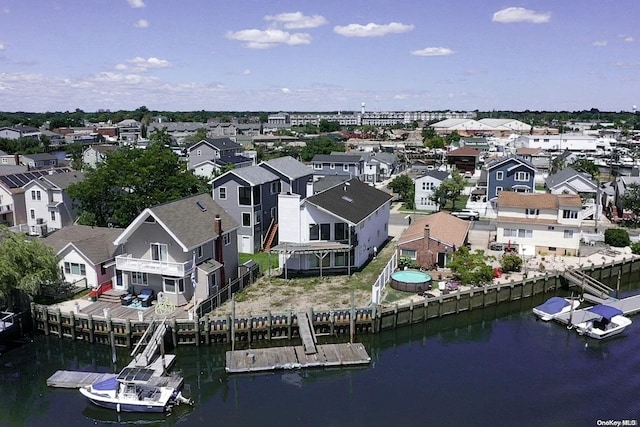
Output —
<point x="504" y="247"/>
<point x="469" y="214"/>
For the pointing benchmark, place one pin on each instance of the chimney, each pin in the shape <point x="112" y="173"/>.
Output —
<point x="309" y="187"/>
<point x="427" y="233"/>
<point x="217" y="227"/>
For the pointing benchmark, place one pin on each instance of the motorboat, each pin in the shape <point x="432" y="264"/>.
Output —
<point x="602" y="321"/>
<point x="135" y="390"/>
<point x="555" y="306"/>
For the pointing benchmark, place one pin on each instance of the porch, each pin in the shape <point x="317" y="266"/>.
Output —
<point x="165" y="268"/>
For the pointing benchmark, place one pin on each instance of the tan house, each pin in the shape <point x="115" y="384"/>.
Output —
<point x="430" y="240"/>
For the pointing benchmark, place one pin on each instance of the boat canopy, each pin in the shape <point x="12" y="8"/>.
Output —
<point x="553" y="305"/>
<point x="135" y="375"/>
<point x="110" y="383"/>
<point x="605" y="311"/>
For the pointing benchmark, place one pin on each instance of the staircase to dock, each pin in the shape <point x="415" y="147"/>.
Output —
<point x="307" y="333"/>
<point x="588" y="284"/>
<point x="144" y="356"/>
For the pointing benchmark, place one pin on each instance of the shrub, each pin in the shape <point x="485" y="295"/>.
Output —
<point x="405" y="261"/>
<point x="635" y="248"/>
<point x="511" y="262"/>
<point x="617" y="237"/>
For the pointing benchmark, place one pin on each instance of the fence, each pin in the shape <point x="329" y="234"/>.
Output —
<point x="225" y="293"/>
<point x="383" y="278"/>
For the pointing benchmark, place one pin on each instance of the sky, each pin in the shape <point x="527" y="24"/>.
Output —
<point x="319" y="55"/>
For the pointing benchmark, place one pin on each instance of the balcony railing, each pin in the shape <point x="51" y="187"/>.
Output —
<point x="166" y="268"/>
<point x="6" y="208"/>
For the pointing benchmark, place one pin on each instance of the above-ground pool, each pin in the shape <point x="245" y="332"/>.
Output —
<point x="410" y="281"/>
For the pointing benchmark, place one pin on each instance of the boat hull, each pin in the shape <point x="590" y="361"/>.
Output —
<point x="588" y="330"/>
<point x="121" y="405"/>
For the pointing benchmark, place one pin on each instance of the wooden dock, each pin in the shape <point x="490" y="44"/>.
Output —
<point x="305" y="328"/>
<point x="275" y="358"/>
<point x="76" y="379"/>
<point x="628" y="306"/>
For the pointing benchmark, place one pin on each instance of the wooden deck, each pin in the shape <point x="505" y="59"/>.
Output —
<point x="268" y="359"/>
<point x="306" y="333"/>
<point x="75" y="379"/>
<point x="118" y="311"/>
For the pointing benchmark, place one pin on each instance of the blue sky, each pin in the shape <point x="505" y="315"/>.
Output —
<point x="329" y="55"/>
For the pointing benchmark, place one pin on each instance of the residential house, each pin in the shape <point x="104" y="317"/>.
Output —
<point x="96" y="154"/>
<point x="379" y="166"/>
<point x="621" y="186"/>
<point x="17" y="132"/>
<point x="210" y="148"/>
<point x="509" y="173"/>
<point x="335" y="230"/>
<point x="12" y="204"/>
<point x="576" y="143"/>
<point x="47" y="203"/>
<point x="86" y="253"/>
<point x="185" y="249"/>
<point x="430" y="240"/>
<point x="7" y="159"/>
<point x="294" y="175"/>
<point x="338" y="164"/>
<point x="464" y="159"/>
<point x="250" y="196"/>
<point x="425" y="187"/>
<point x="129" y="130"/>
<point x="209" y="168"/>
<point x="39" y="160"/>
<point x="570" y="181"/>
<point x="539" y="158"/>
<point x="540" y="223"/>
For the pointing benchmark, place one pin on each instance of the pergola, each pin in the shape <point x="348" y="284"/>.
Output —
<point x="319" y="249"/>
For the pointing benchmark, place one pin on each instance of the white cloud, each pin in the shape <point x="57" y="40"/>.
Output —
<point x="140" y="64"/>
<point x="265" y="39"/>
<point x="626" y="39"/>
<point x="285" y="90"/>
<point x="433" y="51"/>
<point x="599" y="43"/>
<point x="627" y="64"/>
<point x="136" y="4"/>
<point x="7" y="11"/>
<point x="121" y="67"/>
<point x="520" y="14"/>
<point x="246" y="72"/>
<point x="1" y="46"/>
<point x="297" y="20"/>
<point x="142" y="23"/>
<point x="372" y="30"/>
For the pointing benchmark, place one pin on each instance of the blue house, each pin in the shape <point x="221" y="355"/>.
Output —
<point x="509" y="174"/>
<point x="351" y="165"/>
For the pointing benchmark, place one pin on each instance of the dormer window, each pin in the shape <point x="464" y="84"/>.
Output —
<point x="500" y="175"/>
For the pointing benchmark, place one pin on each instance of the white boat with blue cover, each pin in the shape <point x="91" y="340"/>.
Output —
<point x="555" y="306"/>
<point x="602" y="321"/>
<point x="133" y="390"/>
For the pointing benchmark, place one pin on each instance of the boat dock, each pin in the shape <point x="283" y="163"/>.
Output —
<point x="587" y="283"/>
<point x="628" y="306"/>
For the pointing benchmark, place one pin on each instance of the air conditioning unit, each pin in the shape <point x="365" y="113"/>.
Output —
<point x="39" y="221"/>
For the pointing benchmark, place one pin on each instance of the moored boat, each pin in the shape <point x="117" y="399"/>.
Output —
<point x="134" y="390"/>
<point x="603" y="322"/>
<point x="555" y="306"/>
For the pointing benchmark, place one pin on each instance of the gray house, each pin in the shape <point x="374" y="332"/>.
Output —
<point x="212" y="148"/>
<point x="509" y="174"/>
<point x="250" y="196"/>
<point x="338" y="164"/>
<point x="294" y="175"/>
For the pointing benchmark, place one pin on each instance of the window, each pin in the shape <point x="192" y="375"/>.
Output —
<point x="339" y="259"/>
<point x="33" y="194"/>
<point x="173" y="286"/>
<point x="568" y="234"/>
<point x="345" y="168"/>
<point x="53" y="215"/>
<point x="409" y="253"/>
<point x="246" y="219"/>
<point x="533" y="211"/>
<point x="325" y="231"/>
<point x="340" y="231"/>
<point x="138" y="278"/>
<point x="244" y="196"/>
<point x="525" y="233"/>
<point x="257" y="216"/>
<point x="522" y="176"/>
<point x="499" y="175"/>
<point x="317" y="166"/>
<point x="332" y="166"/>
<point x="32" y="213"/>
<point x="567" y="214"/>
<point x="222" y="193"/>
<point x="275" y="187"/>
<point x="551" y="227"/>
<point x="498" y="190"/>
<point x="510" y="232"/>
<point x="159" y="252"/>
<point x="226" y="239"/>
<point x="76" y="269"/>
<point x="199" y="254"/>
<point x="315" y="261"/>
<point x="314" y="232"/>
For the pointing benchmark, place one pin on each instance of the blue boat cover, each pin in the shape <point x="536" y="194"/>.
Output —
<point x="553" y="305"/>
<point x="605" y="311"/>
<point x="110" y="383"/>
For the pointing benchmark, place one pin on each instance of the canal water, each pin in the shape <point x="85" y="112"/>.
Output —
<point x="492" y="367"/>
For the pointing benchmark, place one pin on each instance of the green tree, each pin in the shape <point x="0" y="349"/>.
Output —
<point x="75" y="150"/>
<point x="588" y="167"/>
<point x="320" y="146"/>
<point x="26" y="266"/>
<point x="511" y="262"/>
<point x="557" y="164"/>
<point x="130" y="180"/>
<point x="470" y="268"/>
<point x="160" y="136"/>
<point x="327" y="126"/>
<point x="200" y="134"/>
<point x="631" y="199"/>
<point x="440" y="196"/>
<point x="453" y="187"/>
<point x="617" y="237"/>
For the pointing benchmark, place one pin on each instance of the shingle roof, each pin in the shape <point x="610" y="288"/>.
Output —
<point x="537" y="200"/>
<point x="255" y="175"/>
<point x="224" y="160"/>
<point x="563" y="175"/>
<point x="191" y="219"/>
<point x="327" y="182"/>
<point x="464" y="151"/>
<point x="336" y="158"/>
<point x="222" y="143"/>
<point x="442" y="226"/>
<point x="61" y="180"/>
<point x="39" y="156"/>
<point x="353" y="201"/>
<point x="288" y="166"/>
<point x="17" y="180"/>
<point x="96" y="243"/>
<point x="500" y="160"/>
<point x="439" y="175"/>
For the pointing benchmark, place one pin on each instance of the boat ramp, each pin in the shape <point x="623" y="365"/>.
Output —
<point x="308" y="355"/>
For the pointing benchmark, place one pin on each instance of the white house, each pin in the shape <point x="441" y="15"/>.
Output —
<point x="47" y="204"/>
<point x="584" y="144"/>
<point x="96" y="154"/>
<point x="540" y="223"/>
<point x="425" y="187"/>
<point x="338" y="229"/>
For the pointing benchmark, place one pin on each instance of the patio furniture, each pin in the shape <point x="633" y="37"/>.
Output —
<point x="146" y="296"/>
<point x="126" y="299"/>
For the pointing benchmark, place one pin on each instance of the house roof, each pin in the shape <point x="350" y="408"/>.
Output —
<point x="511" y="199"/>
<point x="353" y="201"/>
<point x="17" y="180"/>
<point x="221" y="143"/>
<point x="337" y="158"/>
<point x="564" y="175"/>
<point x="524" y="151"/>
<point x="465" y="152"/>
<point x="254" y="175"/>
<point x="443" y="227"/>
<point x="103" y="148"/>
<point x="39" y="156"/>
<point x="225" y="160"/>
<point x="190" y="220"/>
<point x="61" y="180"/>
<point x="288" y="166"/>
<point x="329" y="181"/>
<point x="439" y="175"/>
<point x="505" y="159"/>
<point x="95" y="243"/>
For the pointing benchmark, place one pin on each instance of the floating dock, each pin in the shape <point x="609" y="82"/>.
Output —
<point x="628" y="306"/>
<point x="275" y="358"/>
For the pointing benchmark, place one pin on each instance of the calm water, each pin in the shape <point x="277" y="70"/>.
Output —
<point x="494" y="367"/>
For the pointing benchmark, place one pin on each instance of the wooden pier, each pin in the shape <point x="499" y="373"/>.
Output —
<point x="76" y="379"/>
<point x="269" y="359"/>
